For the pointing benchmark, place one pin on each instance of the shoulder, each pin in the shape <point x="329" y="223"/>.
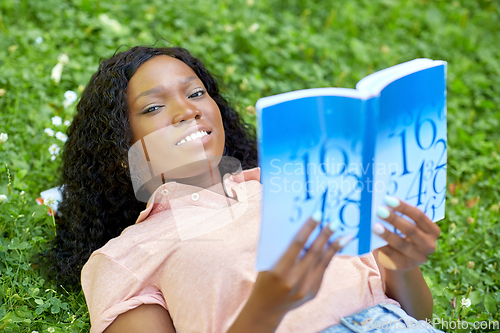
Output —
<point x="111" y="289"/>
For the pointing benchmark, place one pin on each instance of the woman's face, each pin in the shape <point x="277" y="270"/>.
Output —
<point x="175" y="119"/>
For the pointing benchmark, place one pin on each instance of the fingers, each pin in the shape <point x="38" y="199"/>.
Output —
<point x="289" y="258"/>
<point x="412" y="232"/>
<point x="333" y="248"/>
<point x="315" y="251"/>
<point x="420" y="240"/>
<point x="421" y="220"/>
<point x="403" y="246"/>
<point x="313" y="278"/>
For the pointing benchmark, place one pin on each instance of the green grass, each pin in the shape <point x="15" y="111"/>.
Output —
<point x="257" y="48"/>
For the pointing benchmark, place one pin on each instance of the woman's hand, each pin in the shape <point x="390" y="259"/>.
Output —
<point x="411" y="251"/>
<point x="291" y="282"/>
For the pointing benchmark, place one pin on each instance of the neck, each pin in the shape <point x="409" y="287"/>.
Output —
<point x="207" y="176"/>
<point x="210" y="180"/>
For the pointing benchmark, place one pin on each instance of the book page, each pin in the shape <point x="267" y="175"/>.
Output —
<point x="310" y="159"/>
<point x="411" y="145"/>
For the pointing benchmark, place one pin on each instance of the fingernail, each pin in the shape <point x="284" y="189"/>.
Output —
<point x="317" y="216"/>
<point x="334" y="225"/>
<point x="383" y="212"/>
<point x="345" y="240"/>
<point x="392" y="201"/>
<point x="378" y="228"/>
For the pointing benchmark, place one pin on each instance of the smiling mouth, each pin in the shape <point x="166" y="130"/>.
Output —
<point x="194" y="136"/>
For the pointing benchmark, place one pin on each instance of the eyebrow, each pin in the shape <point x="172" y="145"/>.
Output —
<point x="159" y="89"/>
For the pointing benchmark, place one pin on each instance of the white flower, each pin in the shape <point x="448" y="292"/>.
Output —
<point x="54" y="149"/>
<point x="53" y="157"/>
<point x="67" y="122"/>
<point x="253" y="28"/>
<point x="61" y="136"/>
<point x="56" y="120"/>
<point x="49" y="131"/>
<point x="51" y="329"/>
<point x="52" y="197"/>
<point x="70" y="96"/>
<point x="58" y="68"/>
<point x="57" y="72"/>
<point x="3" y="137"/>
<point x="3" y="198"/>
<point x="63" y="59"/>
<point x="21" y="193"/>
<point x="38" y="40"/>
<point x="466" y="302"/>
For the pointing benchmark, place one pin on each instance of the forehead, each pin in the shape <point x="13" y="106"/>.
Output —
<point x="160" y="69"/>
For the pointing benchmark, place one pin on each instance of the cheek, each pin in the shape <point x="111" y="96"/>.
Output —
<point x="135" y="136"/>
<point x="161" y="156"/>
<point x="215" y="115"/>
<point x="137" y="130"/>
<point x="141" y="128"/>
<point x="220" y="128"/>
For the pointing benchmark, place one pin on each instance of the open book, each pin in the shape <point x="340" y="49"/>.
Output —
<point x="343" y="150"/>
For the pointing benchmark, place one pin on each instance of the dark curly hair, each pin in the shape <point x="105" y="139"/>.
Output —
<point x="98" y="198"/>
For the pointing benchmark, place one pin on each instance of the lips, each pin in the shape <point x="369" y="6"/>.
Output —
<point x="191" y="130"/>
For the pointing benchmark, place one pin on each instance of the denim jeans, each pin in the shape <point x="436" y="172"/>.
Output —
<point x="381" y="318"/>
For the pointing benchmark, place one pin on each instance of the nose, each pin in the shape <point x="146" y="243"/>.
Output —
<point x="185" y="110"/>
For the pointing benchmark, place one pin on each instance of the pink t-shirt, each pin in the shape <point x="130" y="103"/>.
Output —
<point x="193" y="252"/>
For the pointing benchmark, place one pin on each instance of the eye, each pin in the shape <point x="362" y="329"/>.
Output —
<point x="151" y="109"/>
<point x="198" y="93"/>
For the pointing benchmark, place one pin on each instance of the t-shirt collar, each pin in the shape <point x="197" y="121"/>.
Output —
<point x="189" y="195"/>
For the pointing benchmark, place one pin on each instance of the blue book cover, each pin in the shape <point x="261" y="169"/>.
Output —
<point x="343" y="150"/>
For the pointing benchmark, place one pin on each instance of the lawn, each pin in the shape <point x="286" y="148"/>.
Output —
<point x="257" y="48"/>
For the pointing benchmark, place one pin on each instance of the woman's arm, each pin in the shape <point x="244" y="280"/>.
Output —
<point x="408" y="288"/>
<point x="400" y="259"/>
<point x="147" y="318"/>
<point x="152" y="318"/>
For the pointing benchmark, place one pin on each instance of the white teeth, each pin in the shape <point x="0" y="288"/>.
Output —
<point x="193" y="136"/>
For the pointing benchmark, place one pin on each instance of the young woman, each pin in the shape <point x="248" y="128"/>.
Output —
<point x="185" y="262"/>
